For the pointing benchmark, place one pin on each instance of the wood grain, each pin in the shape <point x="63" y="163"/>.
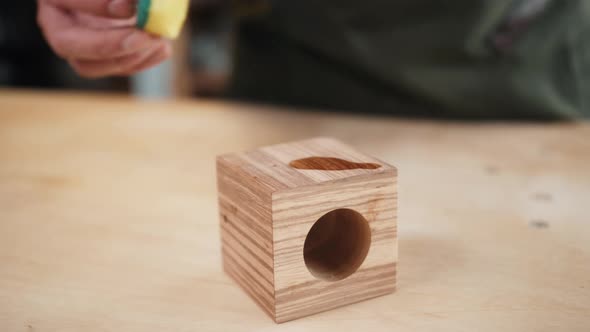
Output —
<point x="246" y="232"/>
<point x="109" y="218"/>
<point x="265" y="249"/>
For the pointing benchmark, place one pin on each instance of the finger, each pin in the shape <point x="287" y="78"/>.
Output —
<point x="99" y="22"/>
<point x="110" y="67"/>
<point x="91" y="44"/>
<point x="107" y="8"/>
<point x="158" y="57"/>
<point x="70" y="40"/>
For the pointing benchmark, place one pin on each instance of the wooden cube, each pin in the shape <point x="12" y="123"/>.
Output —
<point x="308" y="226"/>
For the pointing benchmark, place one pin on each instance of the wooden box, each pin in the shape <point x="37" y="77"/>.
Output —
<point x="308" y="226"/>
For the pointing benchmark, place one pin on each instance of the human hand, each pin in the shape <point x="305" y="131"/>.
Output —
<point x="98" y="38"/>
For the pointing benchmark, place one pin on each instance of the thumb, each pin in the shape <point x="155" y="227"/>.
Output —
<point x="106" y="8"/>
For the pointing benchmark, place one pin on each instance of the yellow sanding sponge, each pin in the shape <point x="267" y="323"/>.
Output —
<point x="162" y="17"/>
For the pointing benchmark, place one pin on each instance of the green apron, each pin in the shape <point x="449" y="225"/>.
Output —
<point x="518" y="59"/>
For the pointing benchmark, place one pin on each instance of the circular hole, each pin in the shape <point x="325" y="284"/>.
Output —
<point x="337" y="244"/>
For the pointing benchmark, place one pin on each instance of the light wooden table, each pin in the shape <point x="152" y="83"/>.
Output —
<point x="108" y="218"/>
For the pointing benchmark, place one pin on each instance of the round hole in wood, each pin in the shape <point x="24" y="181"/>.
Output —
<point x="337" y="244"/>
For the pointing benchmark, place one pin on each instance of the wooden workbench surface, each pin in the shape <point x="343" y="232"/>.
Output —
<point x="108" y="218"/>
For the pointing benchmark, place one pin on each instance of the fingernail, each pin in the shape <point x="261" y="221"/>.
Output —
<point x="121" y="8"/>
<point x="167" y="50"/>
<point x="145" y="53"/>
<point x="134" y="41"/>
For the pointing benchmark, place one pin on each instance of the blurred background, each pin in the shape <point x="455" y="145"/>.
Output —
<point x="508" y="60"/>
<point x="200" y="66"/>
